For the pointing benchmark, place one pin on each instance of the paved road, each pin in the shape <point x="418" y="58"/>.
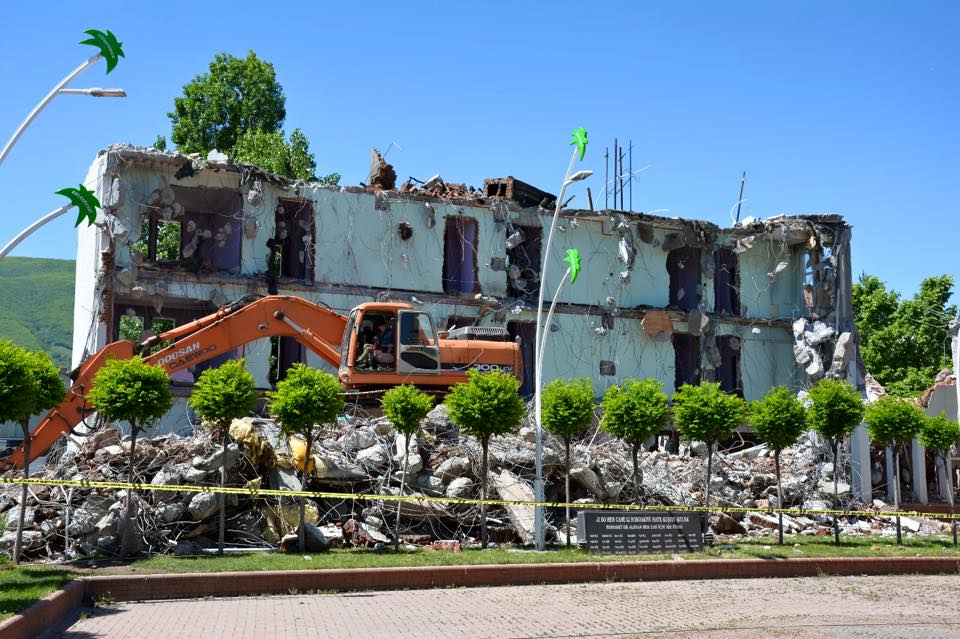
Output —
<point x="821" y="607"/>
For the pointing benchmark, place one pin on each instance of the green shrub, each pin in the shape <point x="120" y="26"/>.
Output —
<point x="634" y="411"/>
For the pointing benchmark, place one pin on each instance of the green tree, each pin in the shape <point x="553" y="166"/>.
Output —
<point x="704" y="413"/>
<point x="634" y="411"/>
<point x="303" y="402"/>
<point x="904" y="343"/>
<point x="486" y="405"/>
<point x="269" y="151"/>
<point x="894" y="422"/>
<point x="29" y="384"/>
<point x="217" y="108"/>
<point x="939" y="435"/>
<point x="220" y="396"/>
<point x="405" y="406"/>
<point x="567" y="412"/>
<point x="160" y="144"/>
<point x="778" y="419"/>
<point x="835" y="410"/>
<point x="137" y="392"/>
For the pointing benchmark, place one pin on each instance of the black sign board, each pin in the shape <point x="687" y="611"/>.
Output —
<point x="638" y="532"/>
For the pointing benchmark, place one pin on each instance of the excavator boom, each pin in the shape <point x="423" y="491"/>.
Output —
<point x="316" y="327"/>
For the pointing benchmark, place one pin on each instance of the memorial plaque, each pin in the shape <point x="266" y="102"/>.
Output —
<point x="639" y="532"/>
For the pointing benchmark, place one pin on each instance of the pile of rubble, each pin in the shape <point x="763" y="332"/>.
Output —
<point x="361" y="455"/>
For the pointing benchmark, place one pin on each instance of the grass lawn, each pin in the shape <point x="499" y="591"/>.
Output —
<point x="22" y="586"/>
<point x="753" y="548"/>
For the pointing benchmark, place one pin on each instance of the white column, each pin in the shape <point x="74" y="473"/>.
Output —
<point x="888" y="454"/>
<point x="918" y="470"/>
<point x="860" y="482"/>
<point x="942" y="480"/>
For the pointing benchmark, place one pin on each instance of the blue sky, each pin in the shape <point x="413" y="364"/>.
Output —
<point x="848" y="107"/>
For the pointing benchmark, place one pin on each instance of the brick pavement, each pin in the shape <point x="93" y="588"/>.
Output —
<point x="924" y="607"/>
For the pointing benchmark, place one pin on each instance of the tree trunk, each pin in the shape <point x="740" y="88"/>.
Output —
<point x="566" y="444"/>
<point x="221" y="498"/>
<point x="485" y="442"/>
<point x="127" y="544"/>
<point x="896" y="490"/>
<point x="706" y="495"/>
<point x="836" y="495"/>
<point x="307" y="458"/>
<point x="636" y="471"/>
<point x="403" y="479"/>
<point x="776" y="461"/>
<point x="24" y="493"/>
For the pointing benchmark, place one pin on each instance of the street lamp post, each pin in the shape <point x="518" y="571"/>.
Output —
<point x="568" y="179"/>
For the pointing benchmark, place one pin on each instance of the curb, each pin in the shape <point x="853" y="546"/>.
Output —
<point x="231" y="584"/>
<point x="44" y="614"/>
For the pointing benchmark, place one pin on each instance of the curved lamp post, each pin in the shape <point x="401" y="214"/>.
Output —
<point x="110" y="49"/>
<point x="82" y="198"/>
<point x="579" y="140"/>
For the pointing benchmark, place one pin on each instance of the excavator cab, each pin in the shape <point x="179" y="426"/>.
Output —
<point x="386" y="339"/>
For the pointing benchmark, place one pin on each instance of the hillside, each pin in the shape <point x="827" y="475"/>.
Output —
<point x="36" y="304"/>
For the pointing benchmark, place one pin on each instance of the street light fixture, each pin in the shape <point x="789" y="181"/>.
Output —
<point x="96" y="92"/>
<point x="580" y="140"/>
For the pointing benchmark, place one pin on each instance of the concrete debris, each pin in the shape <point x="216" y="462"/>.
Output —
<point x="365" y="455"/>
<point x="382" y="176"/>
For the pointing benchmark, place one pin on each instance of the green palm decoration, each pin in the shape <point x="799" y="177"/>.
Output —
<point x="84" y="199"/>
<point x="573" y="259"/>
<point x="579" y="138"/>
<point x="110" y="48"/>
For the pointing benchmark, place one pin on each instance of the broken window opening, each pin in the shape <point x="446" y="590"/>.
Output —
<point x="284" y="353"/>
<point x="726" y="282"/>
<point x="295" y="233"/>
<point x="131" y="328"/>
<point x="460" y="255"/>
<point x="159" y="239"/>
<point x="608" y="368"/>
<point x="526" y="331"/>
<point x="818" y="278"/>
<point x="686" y="357"/>
<point x="683" y="266"/>
<point x="524" y="257"/>
<point x="728" y="372"/>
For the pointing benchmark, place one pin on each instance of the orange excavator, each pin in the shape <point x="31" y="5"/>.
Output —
<point x="379" y="345"/>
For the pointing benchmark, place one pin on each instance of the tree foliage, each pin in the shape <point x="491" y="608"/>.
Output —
<point x="216" y="108"/>
<point x="939" y="434"/>
<point x="488" y="404"/>
<point x="131" y="390"/>
<point x="405" y="406"/>
<point x="305" y="398"/>
<point x="779" y="418"/>
<point x="904" y="343"/>
<point x="567" y="407"/>
<point x="224" y="393"/>
<point x="835" y="409"/>
<point x="269" y="151"/>
<point x="635" y="410"/>
<point x="892" y="421"/>
<point x="705" y="413"/>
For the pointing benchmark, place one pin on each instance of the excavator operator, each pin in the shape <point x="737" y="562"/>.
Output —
<point x="379" y="352"/>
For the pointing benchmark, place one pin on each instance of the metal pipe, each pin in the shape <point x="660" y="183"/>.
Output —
<point x="25" y="233"/>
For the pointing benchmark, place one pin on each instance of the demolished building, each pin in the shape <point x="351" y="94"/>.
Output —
<point x="762" y="304"/>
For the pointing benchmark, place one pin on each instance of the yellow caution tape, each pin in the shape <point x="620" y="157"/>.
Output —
<point x="253" y="491"/>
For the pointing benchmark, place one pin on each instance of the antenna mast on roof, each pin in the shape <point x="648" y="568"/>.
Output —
<point x="743" y="179"/>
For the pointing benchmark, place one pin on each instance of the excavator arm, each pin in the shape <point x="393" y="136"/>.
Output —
<point x="316" y="327"/>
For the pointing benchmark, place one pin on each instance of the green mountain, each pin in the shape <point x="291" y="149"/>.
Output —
<point x="36" y="305"/>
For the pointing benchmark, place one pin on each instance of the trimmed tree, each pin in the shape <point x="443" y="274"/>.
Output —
<point x="487" y="404"/>
<point x="220" y="396"/>
<point x="405" y="406"/>
<point x="704" y="413"/>
<point x="634" y="411"/>
<point x="835" y="410"/>
<point x="778" y="419"/>
<point x="939" y="435"/>
<point x="137" y="392"/>
<point x="303" y="402"/>
<point x="567" y="411"/>
<point x="29" y="384"/>
<point x="894" y="422"/>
